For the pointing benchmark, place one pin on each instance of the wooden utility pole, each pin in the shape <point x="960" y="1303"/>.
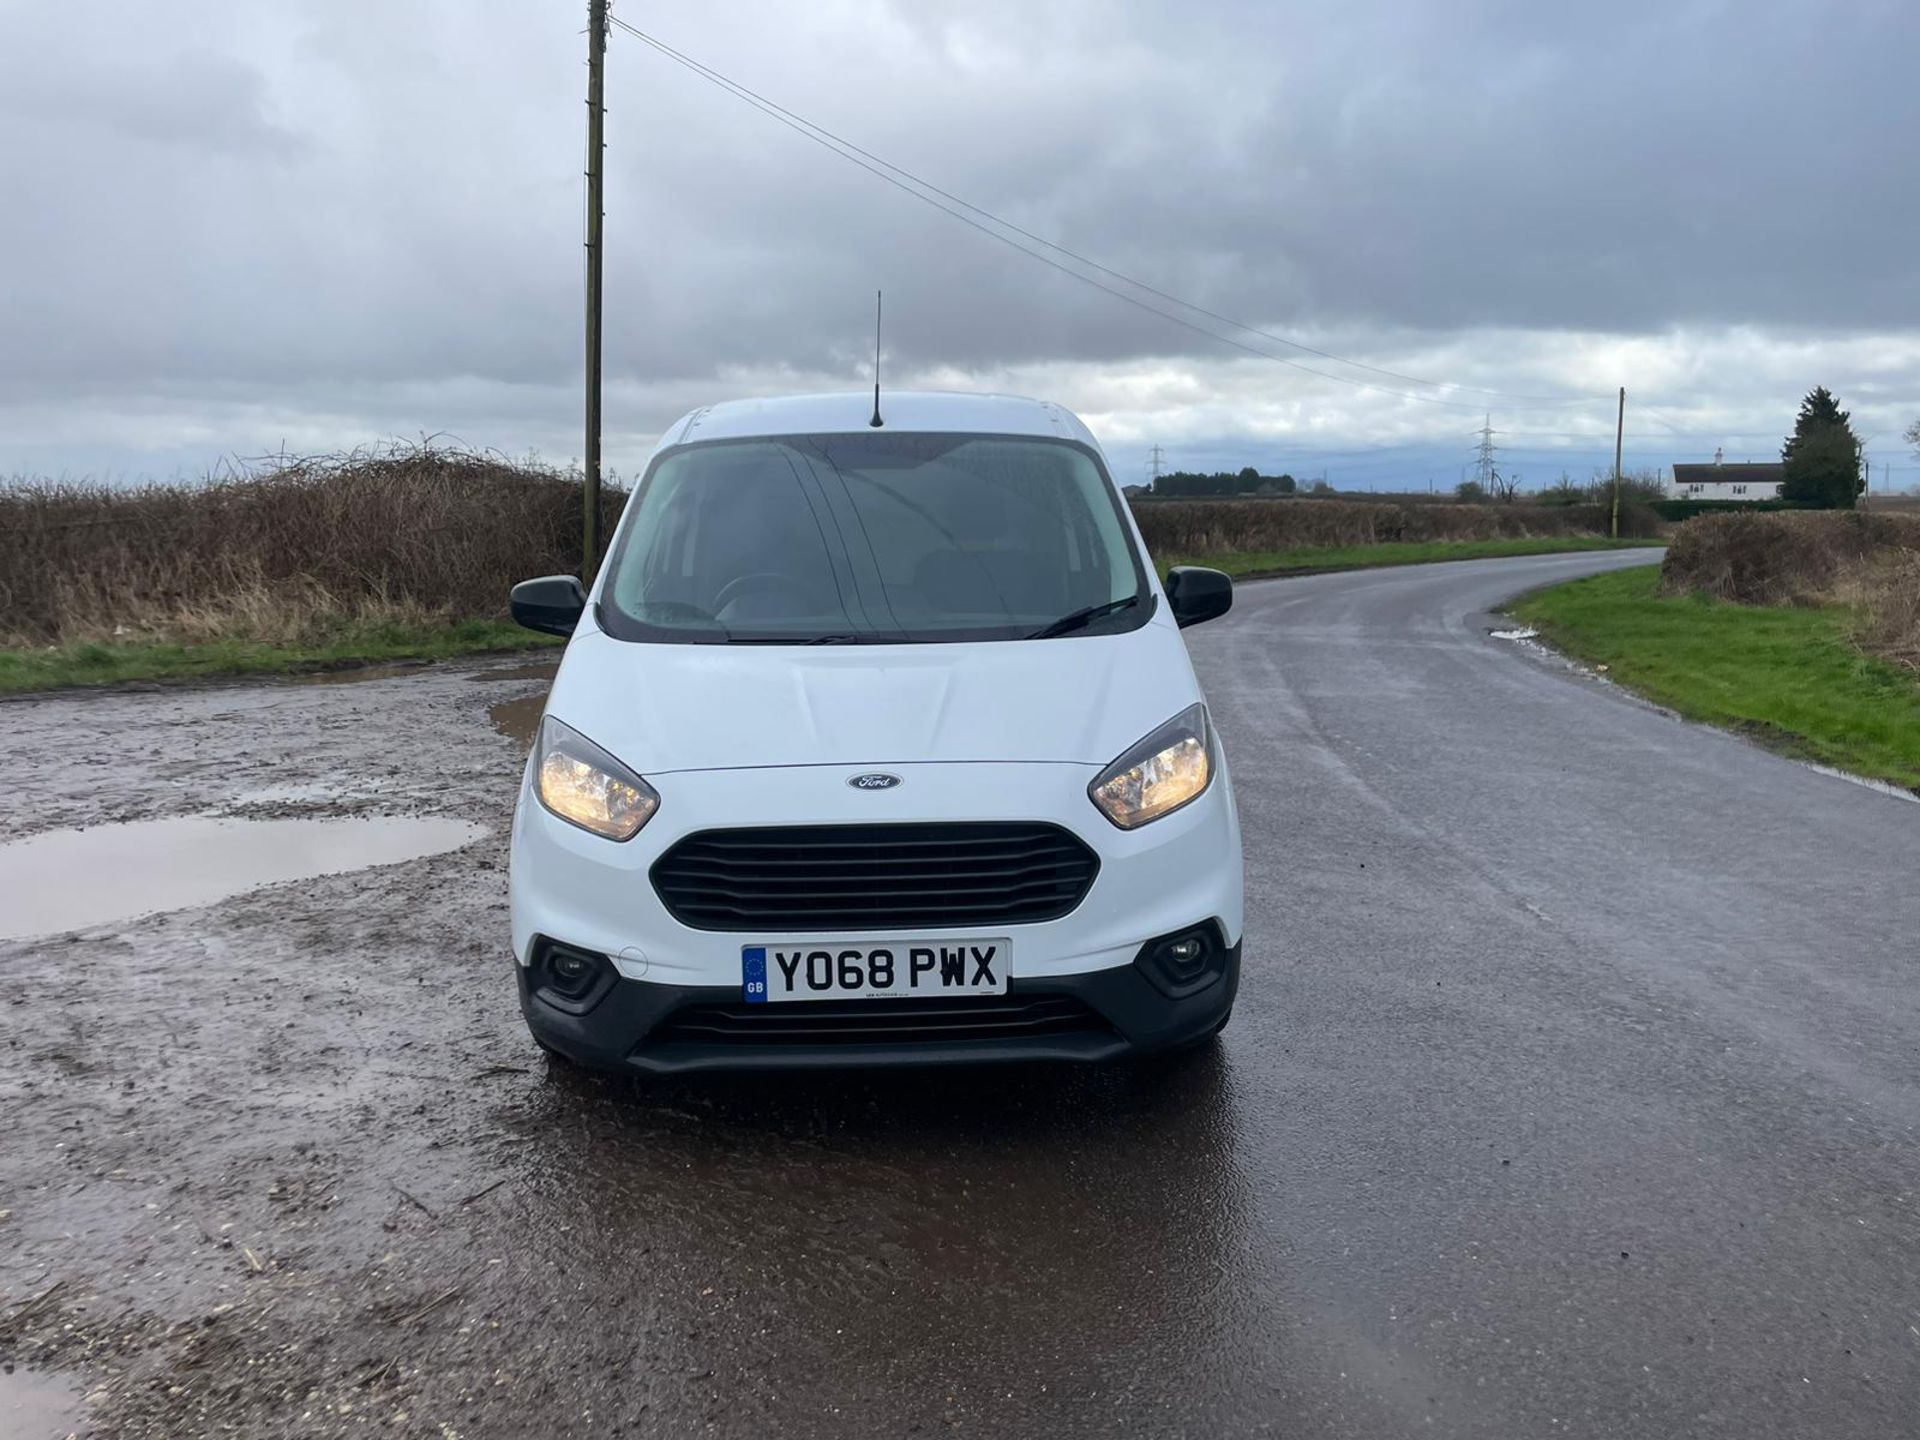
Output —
<point x="1619" y="433"/>
<point x="596" y="181"/>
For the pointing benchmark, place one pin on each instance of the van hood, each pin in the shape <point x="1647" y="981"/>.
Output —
<point x="1078" y="700"/>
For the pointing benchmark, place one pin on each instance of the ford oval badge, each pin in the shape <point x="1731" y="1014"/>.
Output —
<point x="875" y="780"/>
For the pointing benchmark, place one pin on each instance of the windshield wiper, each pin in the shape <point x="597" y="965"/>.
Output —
<point x="834" y="639"/>
<point x="1081" y="618"/>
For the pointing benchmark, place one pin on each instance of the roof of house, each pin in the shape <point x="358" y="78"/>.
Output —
<point x="1759" y="472"/>
<point x="901" y="409"/>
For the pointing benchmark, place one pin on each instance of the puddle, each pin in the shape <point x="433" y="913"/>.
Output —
<point x="37" y="1407"/>
<point x="70" y="879"/>
<point x="518" y="719"/>
<point x="540" y="670"/>
<point x="355" y="674"/>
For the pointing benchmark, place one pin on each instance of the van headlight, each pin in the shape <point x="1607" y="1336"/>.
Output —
<point x="585" y="786"/>
<point x="1168" y="769"/>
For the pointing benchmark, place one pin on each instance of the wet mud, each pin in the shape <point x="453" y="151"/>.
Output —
<point x="286" y="1163"/>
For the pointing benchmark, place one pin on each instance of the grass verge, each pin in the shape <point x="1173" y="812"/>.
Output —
<point x="1791" y="679"/>
<point x="56" y="667"/>
<point x="1260" y="564"/>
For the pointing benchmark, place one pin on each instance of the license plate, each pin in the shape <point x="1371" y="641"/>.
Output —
<point x="862" y="970"/>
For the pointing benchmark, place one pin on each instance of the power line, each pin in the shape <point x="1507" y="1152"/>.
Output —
<point x="906" y="181"/>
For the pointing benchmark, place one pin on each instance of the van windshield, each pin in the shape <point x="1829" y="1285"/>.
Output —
<point x="874" y="538"/>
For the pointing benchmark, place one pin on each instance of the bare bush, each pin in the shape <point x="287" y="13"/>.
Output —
<point x="1867" y="562"/>
<point x="285" y="550"/>
<point x="1779" y="558"/>
<point x="1890" y="607"/>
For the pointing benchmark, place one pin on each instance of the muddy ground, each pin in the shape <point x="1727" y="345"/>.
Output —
<point x="289" y="1164"/>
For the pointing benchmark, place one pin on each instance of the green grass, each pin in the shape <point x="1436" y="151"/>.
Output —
<point x="49" y="669"/>
<point x="1791" y="679"/>
<point x="1255" y="564"/>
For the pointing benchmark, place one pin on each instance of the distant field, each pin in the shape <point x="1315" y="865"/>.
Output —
<point x="1223" y="527"/>
<point x="1253" y="564"/>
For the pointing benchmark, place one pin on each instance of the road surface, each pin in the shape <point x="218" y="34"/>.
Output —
<point x="1573" y="1091"/>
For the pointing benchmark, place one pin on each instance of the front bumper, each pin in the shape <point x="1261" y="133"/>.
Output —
<point x="1099" y="1015"/>
<point x="1078" y="989"/>
<point x="596" y="894"/>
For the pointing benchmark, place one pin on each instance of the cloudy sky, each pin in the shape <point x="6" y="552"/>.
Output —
<point x="313" y="223"/>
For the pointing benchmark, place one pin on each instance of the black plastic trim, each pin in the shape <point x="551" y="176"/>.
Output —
<point x="630" y="1028"/>
<point x="1177" y="982"/>
<point x="566" y="999"/>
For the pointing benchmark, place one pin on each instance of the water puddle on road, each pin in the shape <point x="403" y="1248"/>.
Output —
<point x="518" y="720"/>
<point x="539" y="670"/>
<point x="360" y="674"/>
<point x="37" y="1407"/>
<point x="71" y="879"/>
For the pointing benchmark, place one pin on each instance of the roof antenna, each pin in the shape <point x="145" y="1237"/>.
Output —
<point x="876" y="422"/>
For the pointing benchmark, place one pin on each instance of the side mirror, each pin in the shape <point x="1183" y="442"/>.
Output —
<point x="552" y="604"/>
<point x="1196" y="594"/>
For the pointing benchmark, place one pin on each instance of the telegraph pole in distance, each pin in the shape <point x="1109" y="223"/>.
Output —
<point x="1619" y="433"/>
<point x="596" y="186"/>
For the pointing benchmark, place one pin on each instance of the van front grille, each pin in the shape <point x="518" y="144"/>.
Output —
<point x="814" y="878"/>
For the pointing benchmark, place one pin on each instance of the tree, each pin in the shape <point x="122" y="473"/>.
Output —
<point x="1563" y="492"/>
<point x="1637" y="487"/>
<point x="1286" y="484"/>
<point x="1472" y="491"/>
<point x="1913" y="434"/>
<point x="1822" y="456"/>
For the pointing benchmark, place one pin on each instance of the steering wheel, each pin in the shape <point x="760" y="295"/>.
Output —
<point x="761" y="581"/>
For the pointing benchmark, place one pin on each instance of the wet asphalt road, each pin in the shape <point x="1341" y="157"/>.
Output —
<point x="1573" y="1091"/>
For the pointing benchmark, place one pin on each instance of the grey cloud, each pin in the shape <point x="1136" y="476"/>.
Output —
<point x="347" y="210"/>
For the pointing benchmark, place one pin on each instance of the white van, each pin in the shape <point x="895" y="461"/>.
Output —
<point x="875" y="745"/>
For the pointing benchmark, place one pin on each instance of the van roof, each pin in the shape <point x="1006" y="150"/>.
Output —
<point x="915" y="410"/>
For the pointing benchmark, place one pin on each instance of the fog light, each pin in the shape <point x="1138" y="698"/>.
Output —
<point x="1184" y="962"/>
<point x="569" y="979"/>
<point x="571" y="970"/>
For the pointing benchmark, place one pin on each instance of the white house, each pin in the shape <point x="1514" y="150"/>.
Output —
<point x="1720" y="481"/>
